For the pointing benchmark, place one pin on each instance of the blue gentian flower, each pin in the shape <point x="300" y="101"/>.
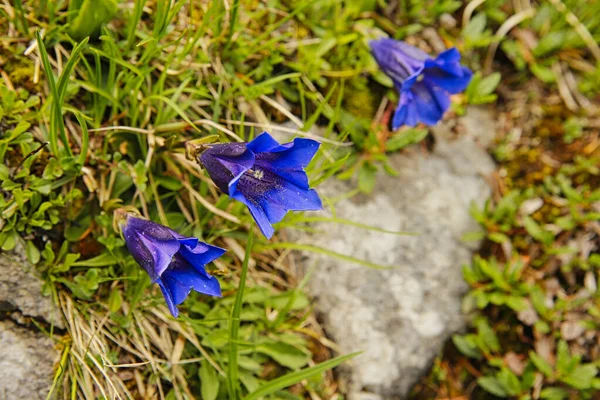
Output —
<point x="424" y="84"/>
<point x="173" y="261"/>
<point x="266" y="176"/>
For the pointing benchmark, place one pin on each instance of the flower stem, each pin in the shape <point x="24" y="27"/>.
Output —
<point x="234" y="325"/>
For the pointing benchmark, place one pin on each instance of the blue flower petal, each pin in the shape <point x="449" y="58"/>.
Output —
<point x="289" y="160"/>
<point x="178" y="281"/>
<point x="152" y="245"/>
<point x="258" y="214"/>
<point x="425" y="103"/>
<point x="168" y="298"/>
<point x="406" y="113"/>
<point x="200" y="255"/>
<point x="182" y="277"/>
<point x="451" y="83"/>
<point x="446" y="72"/>
<point x="397" y="59"/>
<point x="262" y="143"/>
<point x="272" y="196"/>
<point x="226" y="163"/>
<point x="452" y="55"/>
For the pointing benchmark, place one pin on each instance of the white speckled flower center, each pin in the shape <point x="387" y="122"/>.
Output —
<point x="258" y="174"/>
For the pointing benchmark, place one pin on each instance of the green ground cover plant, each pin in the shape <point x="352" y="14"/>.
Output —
<point x="97" y="99"/>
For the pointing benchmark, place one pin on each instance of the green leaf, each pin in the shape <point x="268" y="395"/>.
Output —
<point x="488" y="84"/>
<point x="115" y="300"/>
<point x="554" y="393"/>
<point x="481" y="90"/>
<point x="544" y="74"/>
<point x="516" y="303"/>
<point x="405" y="138"/>
<point x="294" y="377"/>
<point x="102" y="260"/>
<point x="475" y="27"/>
<point x="549" y="42"/>
<point x="498" y="237"/>
<point x="33" y="254"/>
<point x="564" y="362"/>
<point x="4" y="172"/>
<point x="285" y="354"/>
<point x="542" y="365"/>
<point x="67" y="263"/>
<point x="492" y="385"/>
<point x="209" y="381"/>
<point x="466" y="346"/>
<point x="487" y="334"/>
<point x="510" y="381"/>
<point x="537" y="232"/>
<point x="91" y="16"/>
<point x="83" y="286"/>
<point x="582" y="377"/>
<point x="8" y="240"/>
<point x="367" y="177"/>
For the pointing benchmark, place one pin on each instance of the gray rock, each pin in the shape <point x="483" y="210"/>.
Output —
<point x="21" y="289"/>
<point x="26" y="363"/>
<point x="401" y="317"/>
<point x="27" y="356"/>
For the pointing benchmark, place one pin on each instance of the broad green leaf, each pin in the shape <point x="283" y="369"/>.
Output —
<point x="554" y="393"/>
<point x="33" y="254"/>
<point x="492" y="385"/>
<point x="367" y="175"/>
<point x="209" y="381"/>
<point x="582" y="377"/>
<point x="541" y="364"/>
<point x="466" y="347"/>
<point x="510" y="381"/>
<point x="91" y="16"/>
<point x="102" y="260"/>
<point x="115" y="300"/>
<point x="487" y="334"/>
<point x="405" y="138"/>
<point x="537" y="232"/>
<point x="285" y="354"/>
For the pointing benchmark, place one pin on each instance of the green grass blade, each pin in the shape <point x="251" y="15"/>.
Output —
<point x="320" y="250"/>
<point x="52" y="133"/>
<point x="133" y="22"/>
<point x="119" y="62"/>
<point x="233" y="21"/>
<point x="234" y="327"/>
<point x="356" y="224"/>
<point x="85" y="138"/>
<point x="175" y="107"/>
<point x="294" y="377"/>
<point x="66" y="74"/>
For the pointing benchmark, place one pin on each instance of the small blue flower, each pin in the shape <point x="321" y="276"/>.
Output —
<point x="266" y="176"/>
<point x="424" y="84"/>
<point x="173" y="261"/>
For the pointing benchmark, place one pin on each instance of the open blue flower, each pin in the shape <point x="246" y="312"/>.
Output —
<point x="266" y="176"/>
<point x="424" y="84"/>
<point x="173" y="261"/>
